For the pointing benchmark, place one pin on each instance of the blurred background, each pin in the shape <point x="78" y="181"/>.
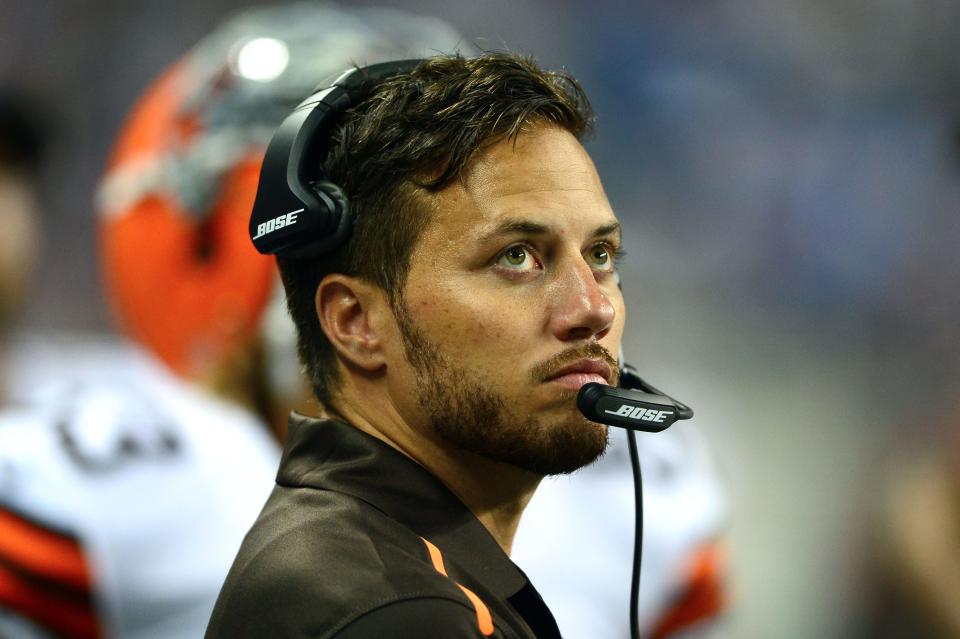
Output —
<point x="788" y="176"/>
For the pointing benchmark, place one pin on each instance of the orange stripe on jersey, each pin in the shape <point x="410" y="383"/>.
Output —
<point x="436" y="557"/>
<point x="67" y="618"/>
<point x="703" y="595"/>
<point x="39" y="550"/>
<point x="484" y="618"/>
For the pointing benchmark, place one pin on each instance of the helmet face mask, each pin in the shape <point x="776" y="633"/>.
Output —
<point x="182" y="275"/>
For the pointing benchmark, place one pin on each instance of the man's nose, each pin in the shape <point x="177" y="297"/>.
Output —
<point x="581" y="308"/>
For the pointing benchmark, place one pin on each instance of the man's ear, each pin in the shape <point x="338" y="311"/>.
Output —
<point x="345" y="307"/>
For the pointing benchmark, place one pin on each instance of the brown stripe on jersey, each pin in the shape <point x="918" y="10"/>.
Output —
<point x="65" y="616"/>
<point x="44" y="576"/>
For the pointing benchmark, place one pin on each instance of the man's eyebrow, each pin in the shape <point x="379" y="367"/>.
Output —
<point x="608" y="229"/>
<point x="515" y="227"/>
<point x="525" y="227"/>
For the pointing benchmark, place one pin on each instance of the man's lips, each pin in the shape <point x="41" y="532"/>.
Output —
<point x="580" y="372"/>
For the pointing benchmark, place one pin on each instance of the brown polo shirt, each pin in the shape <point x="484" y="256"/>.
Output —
<point x="357" y="540"/>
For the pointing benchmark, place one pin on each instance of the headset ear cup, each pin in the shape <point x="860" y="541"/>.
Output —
<point x="341" y="215"/>
<point x="333" y="227"/>
<point x="292" y="178"/>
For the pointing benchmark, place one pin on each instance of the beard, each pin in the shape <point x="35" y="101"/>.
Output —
<point x="462" y="409"/>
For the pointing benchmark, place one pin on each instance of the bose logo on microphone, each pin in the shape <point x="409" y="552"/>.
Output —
<point x="643" y="414"/>
<point x="276" y="223"/>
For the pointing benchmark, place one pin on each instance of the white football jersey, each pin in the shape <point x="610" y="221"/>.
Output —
<point x="575" y="541"/>
<point x="124" y="496"/>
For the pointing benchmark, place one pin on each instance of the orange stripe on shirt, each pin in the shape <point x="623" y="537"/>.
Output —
<point x="436" y="557"/>
<point x="484" y="618"/>
<point x="703" y="595"/>
<point x="68" y="619"/>
<point x="49" y="554"/>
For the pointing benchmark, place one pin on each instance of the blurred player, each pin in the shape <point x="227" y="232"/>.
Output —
<point x="109" y="526"/>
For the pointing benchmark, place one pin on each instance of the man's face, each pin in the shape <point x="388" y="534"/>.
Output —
<point x="511" y="305"/>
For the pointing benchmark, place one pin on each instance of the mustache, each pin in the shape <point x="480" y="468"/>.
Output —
<point x="549" y="367"/>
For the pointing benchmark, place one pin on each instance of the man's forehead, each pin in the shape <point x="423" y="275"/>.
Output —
<point x="549" y="159"/>
<point x="542" y="182"/>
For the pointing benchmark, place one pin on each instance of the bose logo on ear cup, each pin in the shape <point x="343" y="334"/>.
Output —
<point x="265" y="228"/>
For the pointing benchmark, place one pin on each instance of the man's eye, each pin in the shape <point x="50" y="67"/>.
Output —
<point x="601" y="257"/>
<point x="517" y="258"/>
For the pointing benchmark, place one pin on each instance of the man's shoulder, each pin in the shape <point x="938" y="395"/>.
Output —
<point x="325" y="559"/>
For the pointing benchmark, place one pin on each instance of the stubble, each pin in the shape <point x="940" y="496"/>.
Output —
<point x="463" y="409"/>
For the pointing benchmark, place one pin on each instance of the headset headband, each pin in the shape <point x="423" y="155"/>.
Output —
<point x="298" y="212"/>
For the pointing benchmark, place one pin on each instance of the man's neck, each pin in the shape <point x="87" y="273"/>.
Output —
<point x="495" y="492"/>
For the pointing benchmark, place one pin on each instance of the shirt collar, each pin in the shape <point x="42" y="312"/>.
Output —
<point x="332" y="455"/>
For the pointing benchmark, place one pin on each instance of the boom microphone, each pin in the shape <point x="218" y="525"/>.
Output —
<point x="635" y="404"/>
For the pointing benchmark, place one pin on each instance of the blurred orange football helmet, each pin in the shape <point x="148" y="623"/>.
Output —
<point x="180" y="270"/>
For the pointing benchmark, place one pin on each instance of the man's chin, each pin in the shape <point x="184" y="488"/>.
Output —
<point x="562" y="448"/>
<point x="588" y="443"/>
<point x="555" y="445"/>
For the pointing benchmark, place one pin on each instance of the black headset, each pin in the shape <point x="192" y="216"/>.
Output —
<point x="298" y="211"/>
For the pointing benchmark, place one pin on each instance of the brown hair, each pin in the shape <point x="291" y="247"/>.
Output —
<point x="414" y="134"/>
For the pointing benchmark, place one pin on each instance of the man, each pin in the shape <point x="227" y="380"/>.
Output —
<point x="446" y="340"/>
<point x="153" y="566"/>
